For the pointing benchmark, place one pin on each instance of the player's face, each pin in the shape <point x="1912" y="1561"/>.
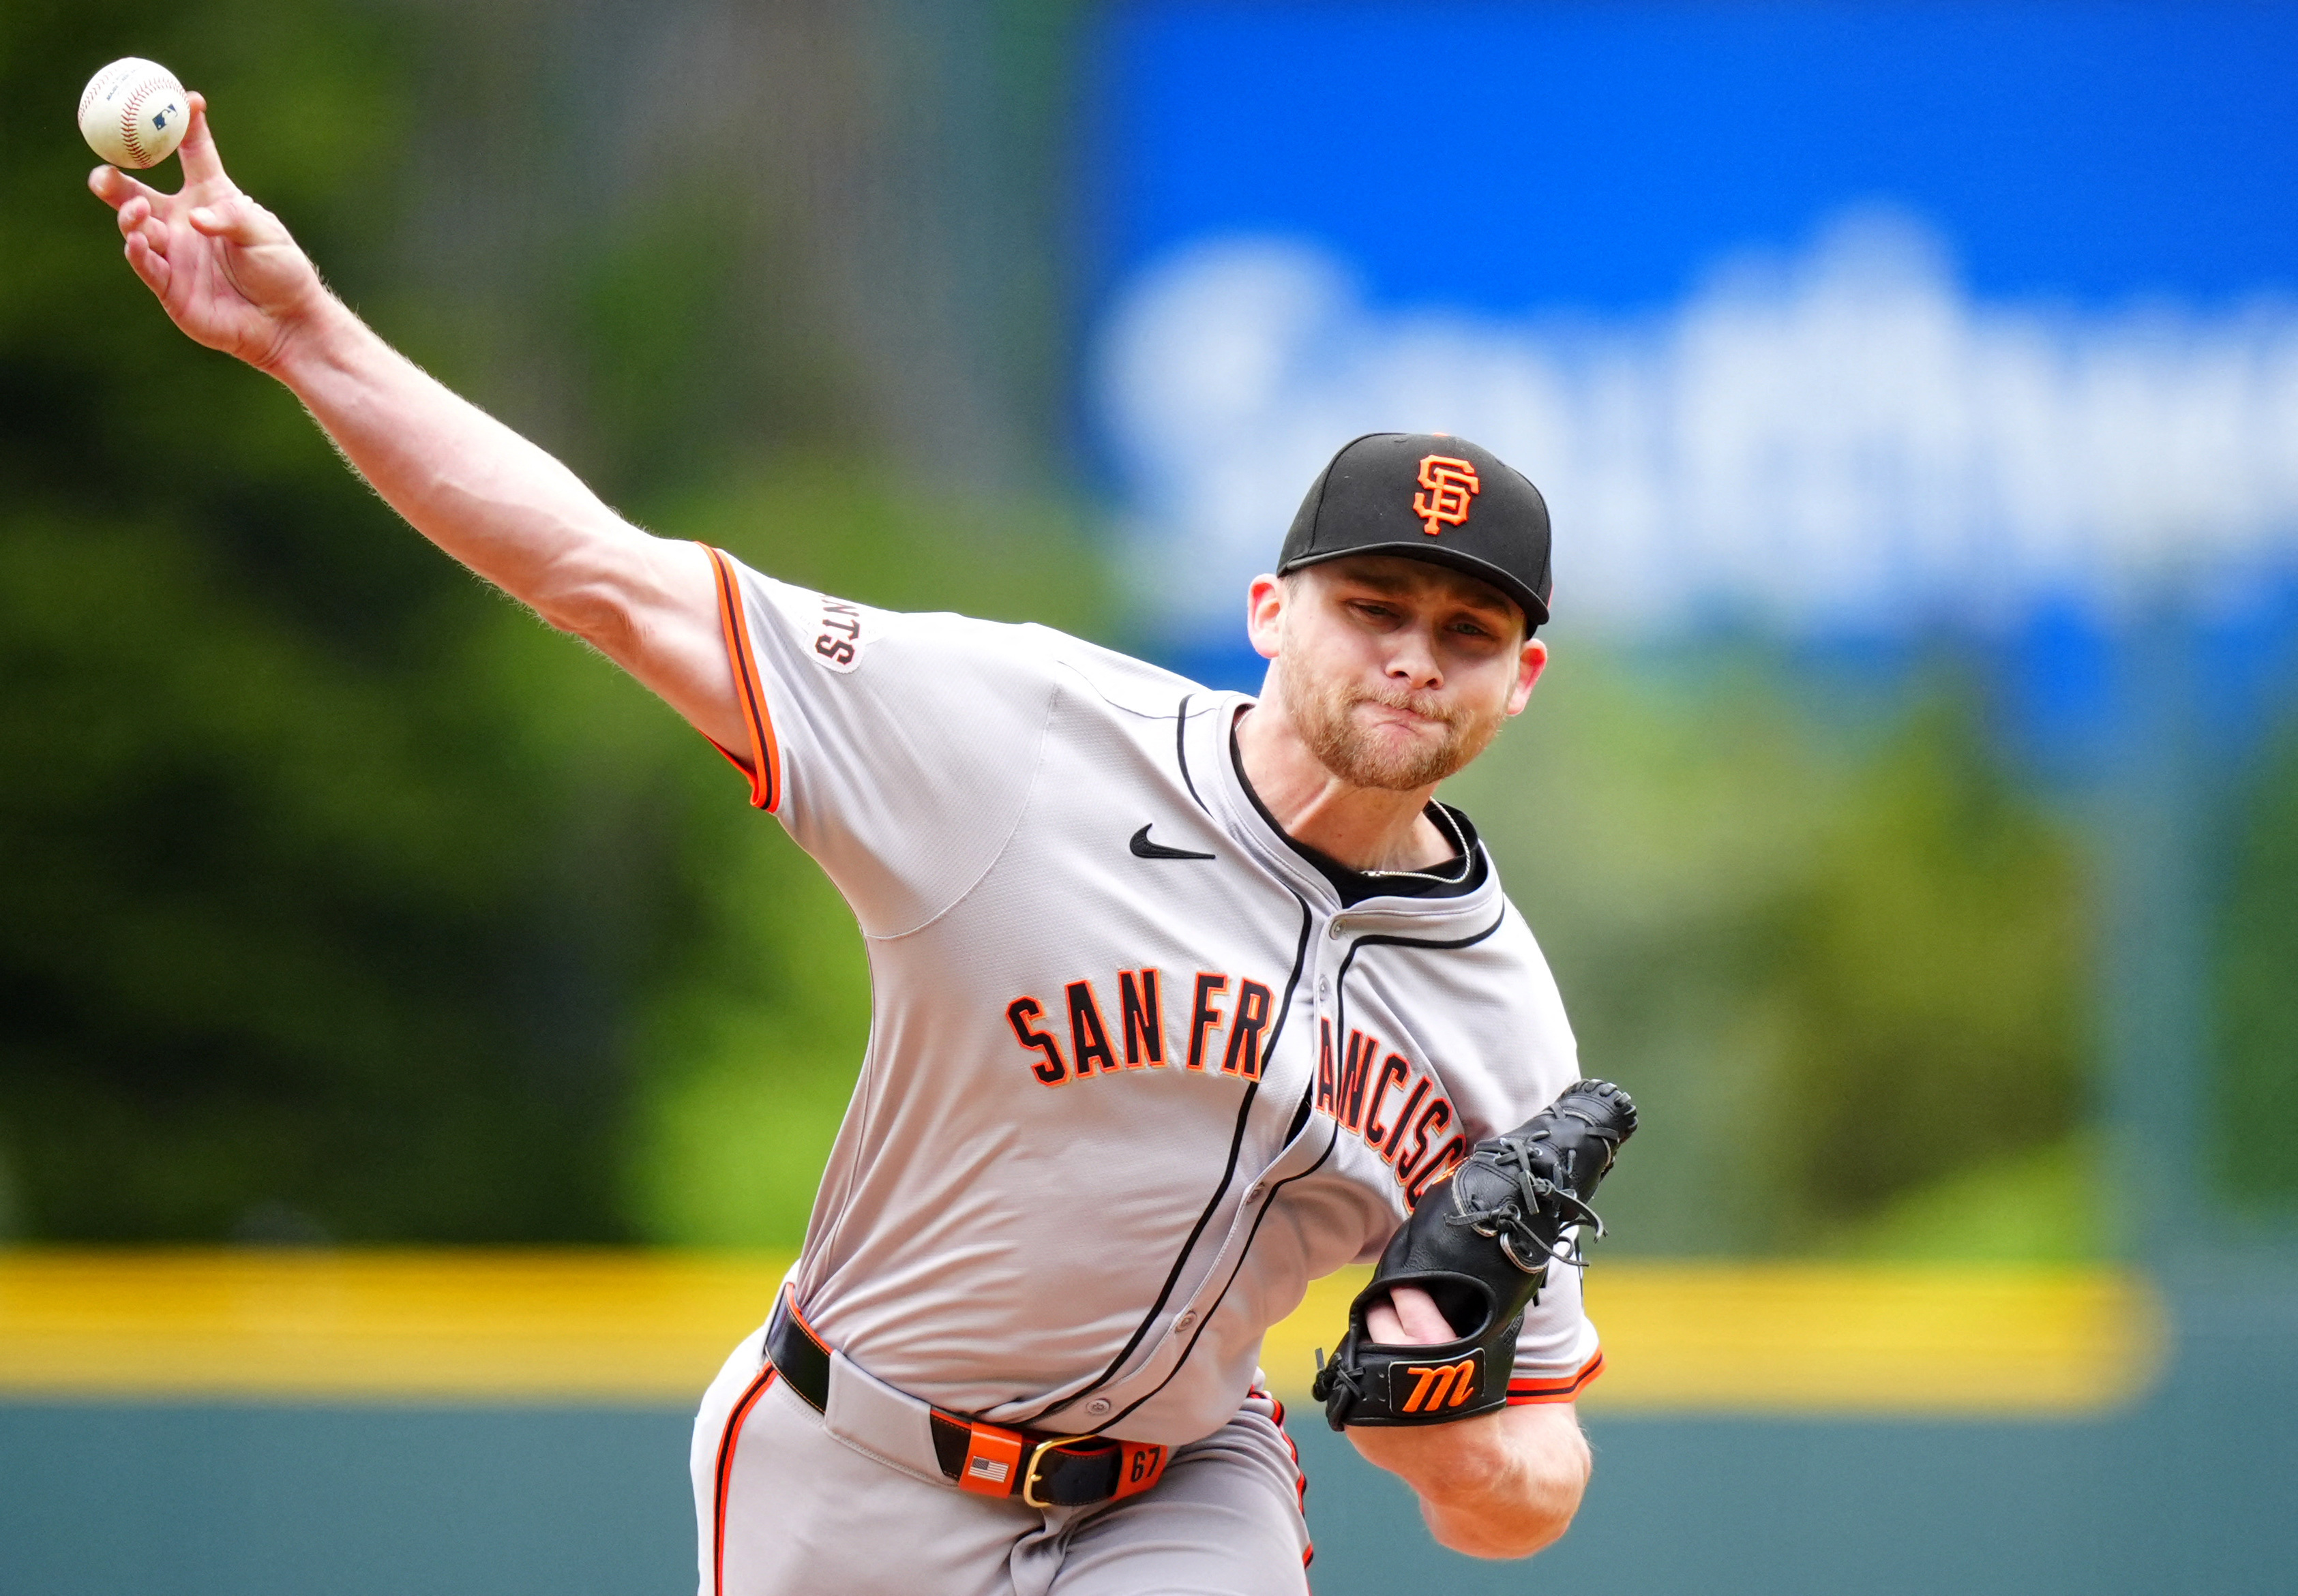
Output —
<point x="1395" y="673"/>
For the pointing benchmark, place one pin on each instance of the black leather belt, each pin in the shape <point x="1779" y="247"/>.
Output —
<point x="1044" y="1469"/>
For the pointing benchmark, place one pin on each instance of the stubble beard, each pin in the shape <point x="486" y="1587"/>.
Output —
<point x="1325" y="717"/>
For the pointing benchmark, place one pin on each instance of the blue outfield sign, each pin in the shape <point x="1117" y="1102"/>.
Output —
<point x="1828" y="319"/>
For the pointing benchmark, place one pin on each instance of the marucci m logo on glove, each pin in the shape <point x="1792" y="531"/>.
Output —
<point x="1480" y="1244"/>
<point x="1433" y="1388"/>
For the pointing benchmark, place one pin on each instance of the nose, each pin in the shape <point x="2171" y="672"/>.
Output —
<point x="1412" y="660"/>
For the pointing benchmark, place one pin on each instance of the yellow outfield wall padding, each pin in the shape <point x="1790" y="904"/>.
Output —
<point x="1911" y="1339"/>
<point x="641" y="1326"/>
<point x="1942" y="1340"/>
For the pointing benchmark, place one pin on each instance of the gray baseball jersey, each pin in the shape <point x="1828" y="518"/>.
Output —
<point x="1137" y="1070"/>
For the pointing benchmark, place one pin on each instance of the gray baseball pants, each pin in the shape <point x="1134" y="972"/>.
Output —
<point x="785" y="1508"/>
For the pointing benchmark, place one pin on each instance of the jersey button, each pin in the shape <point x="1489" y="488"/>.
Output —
<point x="1098" y="1406"/>
<point x="1187" y="1320"/>
<point x="1323" y="990"/>
<point x="1254" y="1191"/>
<point x="1335" y="930"/>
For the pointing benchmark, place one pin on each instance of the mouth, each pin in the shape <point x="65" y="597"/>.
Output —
<point x="1405" y="716"/>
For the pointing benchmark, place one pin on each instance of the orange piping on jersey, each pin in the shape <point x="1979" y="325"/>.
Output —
<point x="764" y="768"/>
<point x="799" y="1314"/>
<point x="1299" y="1474"/>
<point x="731" y="1438"/>
<point x="1522" y="1392"/>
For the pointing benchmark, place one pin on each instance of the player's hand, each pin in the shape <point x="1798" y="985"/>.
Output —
<point x="1410" y="1318"/>
<point x="223" y="267"/>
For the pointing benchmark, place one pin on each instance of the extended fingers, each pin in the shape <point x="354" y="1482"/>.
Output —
<point x="137" y="219"/>
<point x="116" y="188"/>
<point x="201" y="163"/>
<point x="237" y="219"/>
<point x="148" y="263"/>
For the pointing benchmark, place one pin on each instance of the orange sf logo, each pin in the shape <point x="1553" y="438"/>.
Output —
<point x="1450" y="483"/>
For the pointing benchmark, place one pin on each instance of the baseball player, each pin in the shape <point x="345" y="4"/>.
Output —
<point x="1182" y="999"/>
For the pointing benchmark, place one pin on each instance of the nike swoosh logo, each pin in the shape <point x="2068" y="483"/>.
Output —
<point x="1143" y="848"/>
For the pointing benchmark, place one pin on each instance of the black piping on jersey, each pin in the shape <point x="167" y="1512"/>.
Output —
<point x="1205" y="1323"/>
<point x="1229" y="1173"/>
<point x="1340" y="1018"/>
<point x="755" y="719"/>
<point x="1353" y="886"/>
<point x="1181" y="751"/>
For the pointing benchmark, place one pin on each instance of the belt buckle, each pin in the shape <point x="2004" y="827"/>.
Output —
<point x="1031" y="1477"/>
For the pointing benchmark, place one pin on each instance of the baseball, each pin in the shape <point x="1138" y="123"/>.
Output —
<point x="133" y="113"/>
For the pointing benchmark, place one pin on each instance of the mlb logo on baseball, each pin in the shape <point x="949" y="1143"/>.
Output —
<point x="133" y="113"/>
<point x="1433" y="1387"/>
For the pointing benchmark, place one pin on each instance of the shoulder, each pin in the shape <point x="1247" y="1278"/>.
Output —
<point x="1515" y="969"/>
<point x="1513" y="1048"/>
<point x="1123" y="684"/>
<point x="1095" y="677"/>
<point x="848" y="637"/>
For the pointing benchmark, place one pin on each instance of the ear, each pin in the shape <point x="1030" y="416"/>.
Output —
<point x="1529" y="664"/>
<point x="1264" y="611"/>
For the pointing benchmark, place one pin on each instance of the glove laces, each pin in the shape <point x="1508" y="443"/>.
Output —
<point x="1510" y="1219"/>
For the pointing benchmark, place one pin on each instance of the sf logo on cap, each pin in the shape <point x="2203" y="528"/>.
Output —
<point x="1450" y="483"/>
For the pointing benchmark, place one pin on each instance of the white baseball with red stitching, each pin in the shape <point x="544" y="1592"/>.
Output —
<point x="133" y="113"/>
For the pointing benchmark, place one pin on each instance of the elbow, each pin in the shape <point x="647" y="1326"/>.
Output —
<point x="1519" y="1536"/>
<point x="599" y="598"/>
<point x="598" y="612"/>
<point x="1503" y="1542"/>
<point x="1525" y="1510"/>
<point x="597" y="589"/>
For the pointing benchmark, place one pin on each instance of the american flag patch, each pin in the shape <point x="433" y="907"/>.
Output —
<point x="988" y="1468"/>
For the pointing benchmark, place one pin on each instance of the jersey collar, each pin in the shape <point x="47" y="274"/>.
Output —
<point x="1213" y="777"/>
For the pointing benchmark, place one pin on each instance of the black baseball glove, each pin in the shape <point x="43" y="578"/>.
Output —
<point x="1479" y="1244"/>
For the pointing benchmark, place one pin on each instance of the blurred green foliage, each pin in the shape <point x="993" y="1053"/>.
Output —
<point x="1842" y="967"/>
<point x="258" y="939"/>
<point x="340" y="899"/>
<point x="1929" y="982"/>
<point x="2257" y="1105"/>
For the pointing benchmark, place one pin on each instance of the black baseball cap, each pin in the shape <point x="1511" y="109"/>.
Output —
<point x="1433" y="496"/>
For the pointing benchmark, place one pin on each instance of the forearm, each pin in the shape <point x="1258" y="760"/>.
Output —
<point x="470" y="485"/>
<point x="1504" y="1484"/>
<point x="226" y="272"/>
<point x="514" y="515"/>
